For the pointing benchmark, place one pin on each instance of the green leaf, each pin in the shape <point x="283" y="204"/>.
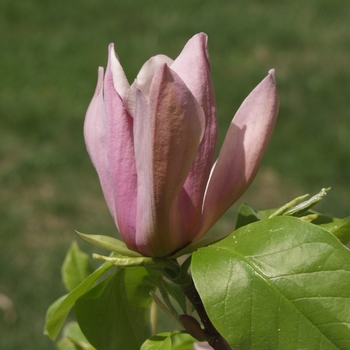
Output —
<point x="341" y="230"/>
<point x="127" y="261"/>
<point x="177" y="340"/>
<point x="66" y="344"/>
<point x="207" y="240"/>
<point x="338" y="227"/>
<point x="109" y="243"/>
<point x="182" y="341"/>
<point x="246" y="215"/>
<point x="178" y="295"/>
<point x="76" y="267"/>
<point x="115" y="314"/>
<point x="297" y="207"/>
<point x="280" y="283"/>
<point x="59" y="310"/>
<point x="73" y="338"/>
<point x="160" y="341"/>
<point x="304" y="206"/>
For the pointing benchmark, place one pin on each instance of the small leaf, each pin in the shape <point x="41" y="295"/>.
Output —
<point x="297" y="209"/>
<point x="125" y="261"/>
<point x="66" y="344"/>
<point x="288" y="206"/>
<point x="189" y="249"/>
<point x="338" y="227"/>
<point x="280" y="283"/>
<point x="182" y="341"/>
<point x="178" y="295"/>
<point x="176" y="340"/>
<point x="109" y="243"/>
<point x="303" y="207"/>
<point x="115" y="314"/>
<point x="160" y="341"/>
<point x="76" y="267"/>
<point x="246" y="215"/>
<point x="59" y="310"/>
<point x="73" y="338"/>
<point x="162" y="306"/>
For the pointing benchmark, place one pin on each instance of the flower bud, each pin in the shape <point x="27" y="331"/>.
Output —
<point x="153" y="146"/>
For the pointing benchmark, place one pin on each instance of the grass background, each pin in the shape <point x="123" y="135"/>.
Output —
<point x="49" y="53"/>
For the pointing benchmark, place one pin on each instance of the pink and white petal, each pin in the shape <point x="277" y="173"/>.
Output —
<point x="120" y="80"/>
<point x="193" y="67"/>
<point x="121" y="160"/>
<point x="95" y="135"/>
<point x="242" y="151"/>
<point x="144" y="167"/>
<point x="202" y="346"/>
<point x="145" y="75"/>
<point x="165" y="143"/>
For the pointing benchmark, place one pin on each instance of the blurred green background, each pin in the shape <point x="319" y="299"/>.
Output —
<point x="49" y="54"/>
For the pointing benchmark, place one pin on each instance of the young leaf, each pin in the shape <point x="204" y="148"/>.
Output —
<point x="246" y="215"/>
<point x="76" y="267"/>
<point x="73" y="338"/>
<point x="109" y="243"/>
<point x="177" y="340"/>
<point x="182" y="341"/>
<point x="160" y="341"/>
<point x="280" y="283"/>
<point x="338" y="227"/>
<point x="59" y="310"/>
<point x="297" y="207"/>
<point x="174" y="290"/>
<point x="304" y="206"/>
<point x="115" y="314"/>
<point x="189" y="249"/>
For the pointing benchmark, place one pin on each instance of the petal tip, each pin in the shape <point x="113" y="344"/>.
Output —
<point x="272" y="74"/>
<point x="111" y="52"/>
<point x="99" y="85"/>
<point x="110" y="47"/>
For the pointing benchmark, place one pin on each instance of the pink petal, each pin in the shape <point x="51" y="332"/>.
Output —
<point x="121" y="157"/>
<point x="95" y="134"/>
<point x="145" y="76"/>
<point x="120" y="81"/>
<point x="167" y="134"/>
<point x="193" y="67"/>
<point x="202" y="346"/>
<point x="242" y="150"/>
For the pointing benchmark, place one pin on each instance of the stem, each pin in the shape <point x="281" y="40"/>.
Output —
<point x="215" y="340"/>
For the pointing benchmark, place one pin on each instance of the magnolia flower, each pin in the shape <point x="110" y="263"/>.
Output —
<point x="153" y="146"/>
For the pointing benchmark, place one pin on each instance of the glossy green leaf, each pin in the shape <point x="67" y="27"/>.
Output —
<point x="115" y="314"/>
<point x="59" y="310"/>
<point x="76" y="267"/>
<point x="280" y="283"/>
<point x="109" y="243"/>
